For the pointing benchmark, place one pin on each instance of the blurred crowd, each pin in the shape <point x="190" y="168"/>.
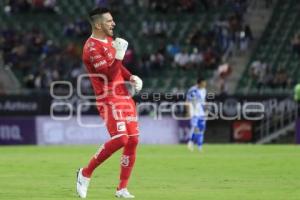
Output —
<point x="202" y="49"/>
<point x="268" y="76"/>
<point x="41" y="60"/>
<point x="78" y="28"/>
<point x="21" y="6"/>
<point x="188" y="6"/>
<point x="38" y="60"/>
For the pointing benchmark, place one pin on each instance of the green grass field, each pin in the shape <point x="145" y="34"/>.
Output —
<point x="162" y="172"/>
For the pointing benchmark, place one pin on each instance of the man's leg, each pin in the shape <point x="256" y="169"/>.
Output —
<point x="119" y="138"/>
<point x="192" y="133"/>
<point x="201" y="127"/>
<point x="129" y="151"/>
<point x="84" y="174"/>
<point x="105" y="152"/>
<point x="128" y="160"/>
<point x="200" y="140"/>
<point x="192" y="138"/>
<point x="127" y="163"/>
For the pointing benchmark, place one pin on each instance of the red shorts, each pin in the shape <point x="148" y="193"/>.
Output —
<point x="119" y="115"/>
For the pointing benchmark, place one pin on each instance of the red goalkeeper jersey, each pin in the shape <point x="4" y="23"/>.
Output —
<point x="106" y="73"/>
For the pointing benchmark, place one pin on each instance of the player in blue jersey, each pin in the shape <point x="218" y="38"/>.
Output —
<point x="195" y="98"/>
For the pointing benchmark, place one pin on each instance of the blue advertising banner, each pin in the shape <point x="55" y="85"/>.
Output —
<point x="17" y="130"/>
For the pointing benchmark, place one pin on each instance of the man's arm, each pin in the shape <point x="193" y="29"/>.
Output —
<point x="137" y="81"/>
<point x="188" y="108"/>
<point x="189" y="105"/>
<point x="125" y="73"/>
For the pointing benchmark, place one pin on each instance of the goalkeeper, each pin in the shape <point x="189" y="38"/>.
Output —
<point x="103" y="57"/>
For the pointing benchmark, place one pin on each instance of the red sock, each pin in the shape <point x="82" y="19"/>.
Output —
<point x="104" y="152"/>
<point x="127" y="161"/>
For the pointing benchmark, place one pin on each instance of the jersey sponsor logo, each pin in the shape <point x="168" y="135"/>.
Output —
<point x="125" y="161"/>
<point x="121" y="126"/>
<point x="99" y="64"/>
<point x="93" y="58"/>
<point x="92" y="49"/>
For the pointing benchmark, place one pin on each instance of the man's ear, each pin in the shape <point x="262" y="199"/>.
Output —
<point x="98" y="26"/>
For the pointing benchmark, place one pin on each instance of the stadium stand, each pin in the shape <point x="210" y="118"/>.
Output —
<point x="63" y="27"/>
<point x="274" y="65"/>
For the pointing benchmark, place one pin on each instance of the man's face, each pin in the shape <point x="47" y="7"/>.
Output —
<point x="202" y="84"/>
<point x="107" y="24"/>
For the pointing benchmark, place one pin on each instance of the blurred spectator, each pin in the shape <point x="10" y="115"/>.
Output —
<point x="296" y="43"/>
<point x="143" y="3"/>
<point x="257" y="69"/>
<point x="157" y="60"/>
<point x="224" y="70"/>
<point x="173" y="48"/>
<point x="37" y="4"/>
<point x="243" y="41"/>
<point x="194" y="39"/>
<point x="266" y="78"/>
<point x="50" y="5"/>
<point x="187" y="5"/>
<point x="102" y="3"/>
<point x="211" y="59"/>
<point x="128" y="2"/>
<point x="248" y="32"/>
<point x="239" y="7"/>
<point x="75" y="71"/>
<point x="146" y="28"/>
<point x="281" y="79"/>
<point x="17" y="6"/>
<point x="182" y="59"/>
<point x="78" y="28"/>
<point x="40" y="81"/>
<point x="129" y="61"/>
<point x="29" y="81"/>
<point x="196" y="58"/>
<point x="145" y="65"/>
<point x="154" y="28"/>
<point x="158" y="5"/>
<point x="160" y="28"/>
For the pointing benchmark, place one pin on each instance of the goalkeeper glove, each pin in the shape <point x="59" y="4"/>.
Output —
<point x="121" y="46"/>
<point x="137" y="82"/>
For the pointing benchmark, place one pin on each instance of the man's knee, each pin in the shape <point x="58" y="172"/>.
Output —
<point x="120" y="141"/>
<point x="133" y="141"/>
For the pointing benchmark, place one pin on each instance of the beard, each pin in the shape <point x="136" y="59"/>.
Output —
<point x="108" y="32"/>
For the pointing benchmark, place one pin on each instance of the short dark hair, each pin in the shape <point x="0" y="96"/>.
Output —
<point x="98" y="11"/>
<point x="200" y="79"/>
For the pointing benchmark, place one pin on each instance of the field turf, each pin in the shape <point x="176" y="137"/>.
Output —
<point x="233" y="172"/>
